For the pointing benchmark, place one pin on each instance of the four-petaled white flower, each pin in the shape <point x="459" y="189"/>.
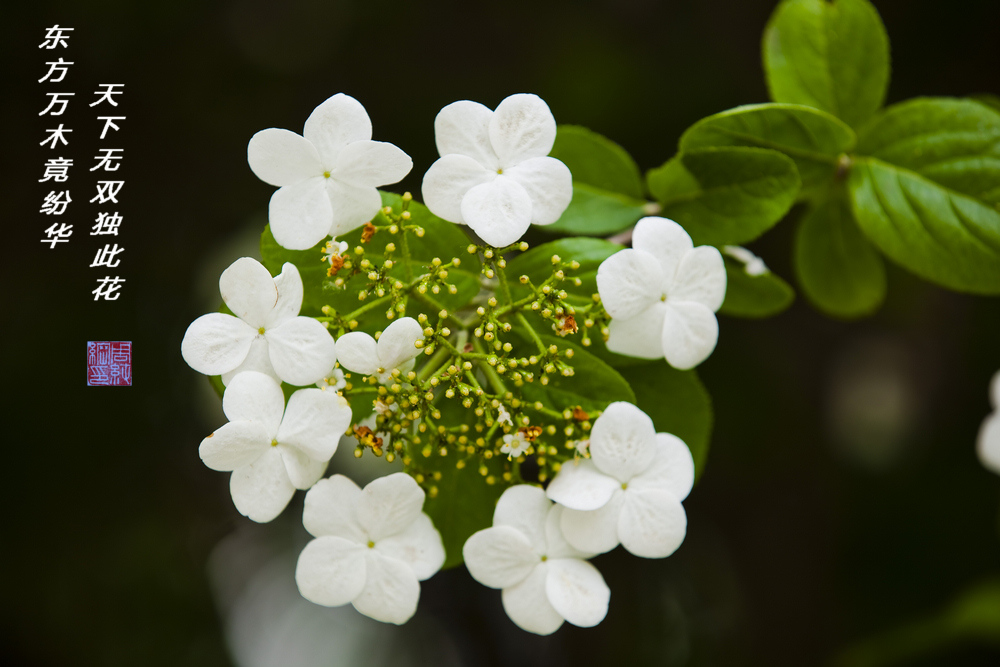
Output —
<point x="395" y="349"/>
<point x="327" y="177"/>
<point x="333" y="380"/>
<point x="373" y="547"/>
<point x="267" y="334"/>
<point x="503" y="417"/>
<point x="514" y="444"/>
<point x="989" y="434"/>
<point x="334" y="251"/>
<point x="662" y="295"/>
<point x="494" y="174"/>
<point x="273" y="449"/>
<point x="544" y="580"/>
<point x="629" y="491"/>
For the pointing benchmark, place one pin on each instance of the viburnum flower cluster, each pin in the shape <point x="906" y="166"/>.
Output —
<point x="423" y="344"/>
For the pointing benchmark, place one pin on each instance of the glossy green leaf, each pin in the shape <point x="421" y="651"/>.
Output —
<point x="812" y="138"/>
<point x="832" y="55"/>
<point x="838" y="269"/>
<point x="764" y="295"/>
<point x="939" y="234"/>
<point x="597" y="161"/>
<point x="725" y="196"/>
<point x="990" y="100"/>
<point x="597" y="212"/>
<point x="536" y="263"/>
<point x="677" y="402"/>
<point x="954" y="142"/>
<point x="310" y="266"/>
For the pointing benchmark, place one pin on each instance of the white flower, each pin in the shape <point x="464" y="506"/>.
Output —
<point x="581" y="446"/>
<point x="989" y="434"/>
<point x="266" y="335"/>
<point x="359" y="353"/>
<point x="327" y="178"/>
<point x="630" y="489"/>
<point x="752" y="264"/>
<point x="372" y="546"/>
<point x="662" y="295"/>
<point x="494" y="174"/>
<point x="503" y="417"/>
<point x="514" y="444"/>
<point x="273" y="450"/>
<point x="333" y="380"/>
<point x="544" y="580"/>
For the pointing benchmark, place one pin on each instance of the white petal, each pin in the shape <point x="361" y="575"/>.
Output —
<point x="301" y="350"/>
<point x="419" y="546"/>
<point x="577" y="591"/>
<point x="664" y="239"/>
<point x="522" y="127"/>
<point x="234" y="445"/>
<point x="249" y="291"/>
<point x="499" y="557"/>
<point x="623" y="441"/>
<point x="372" y="163"/>
<point x="464" y="127"/>
<point x="289" y="284"/>
<point x="391" y="590"/>
<point x="300" y="214"/>
<point x="988" y="444"/>
<point x="652" y="523"/>
<point x="302" y="470"/>
<point x="597" y="531"/>
<point x="358" y="352"/>
<point x="581" y="486"/>
<point x="629" y="281"/>
<point x="262" y="489"/>
<point x="255" y="397"/>
<point x="216" y="343"/>
<point x="524" y="508"/>
<point x="672" y="468"/>
<point x="335" y="123"/>
<point x="549" y="184"/>
<point x="314" y="421"/>
<point x="353" y="205"/>
<point x="701" y="277"/>
<point x="396" y="344"/>
<point x="447" y="181"/>
<point x="498" y="211"/>
<point x="528" y="605"/>
<point x="640" y="336"/>
<point x="331" y="571"/>
<point x="690" y="332"/>
<point x="389" y="504"/>
<point x="995" y="390"/>
<point x="330" y="509"/>
<point x="557" y="545"/>
<point x="280" y="157"/>
<point x="257" y="360"/>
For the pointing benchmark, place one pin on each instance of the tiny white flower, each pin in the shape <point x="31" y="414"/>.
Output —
<point x="503" y="417"/>
<point x="494" y="174"/>
<point x="267" y="334"/>
<point x="333" y="250"/>
<point x="333" y="380"/>
<point x="752" y="264"/>
<point x="582" y="446"/>
<point x="360" y="353"/>
<point x="373" y="547"/>
<point x="662" y="295"/>
<point x="630" y="489"/>
<point x="544" y="580"/>
<point x="989" y="434"/>
<point x="270" y="448"/>
<point x="327" y="177"/>
<point x="514" y="444"/>
<point x="384" y="408"/>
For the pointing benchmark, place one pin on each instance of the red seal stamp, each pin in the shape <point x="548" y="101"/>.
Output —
<point x="109" y="363"/>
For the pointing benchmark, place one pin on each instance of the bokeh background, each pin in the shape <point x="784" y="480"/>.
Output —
<point x="842" y="516"/>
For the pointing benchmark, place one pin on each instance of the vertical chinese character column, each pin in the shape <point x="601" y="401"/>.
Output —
<point x="109" y="184"/>
<point x="56" y="173"/>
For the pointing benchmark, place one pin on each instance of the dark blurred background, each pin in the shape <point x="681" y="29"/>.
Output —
<point x="842" y="512"/>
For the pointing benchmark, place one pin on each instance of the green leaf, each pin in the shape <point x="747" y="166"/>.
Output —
<point x="597" y="161"/>
<point x="310" y="266"/>
<point x="838" y="269"/>
<point x="536" y="263"/>
<point x="812" y="138"/>
<point x="754" y="296"/>
<point x="725" y="196"/>
<point x="597" y="212"/>
<point x="939" y="234"/>
<point x="830" y="55"/>
<point x="990" y="100"/>
<point x="677" y="402"/>
<point x="953" y="142"/>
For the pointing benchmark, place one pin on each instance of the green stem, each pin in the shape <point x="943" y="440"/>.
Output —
<point x="433" y="363"/>
<point x="523" y="321"/>
<point x="504" y="287"/>
<point x="491" y="374"/>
